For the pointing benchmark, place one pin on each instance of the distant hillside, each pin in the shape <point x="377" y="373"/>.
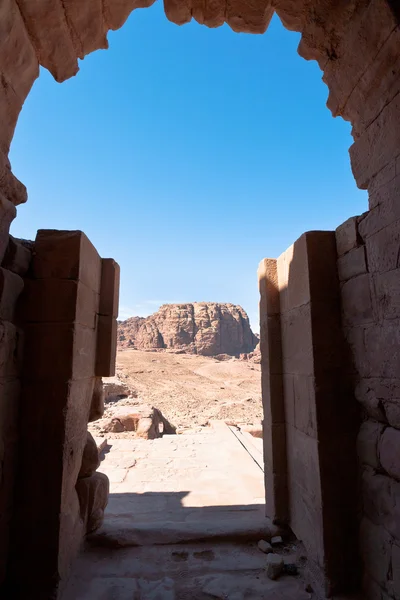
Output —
<point x="207" y="328"/>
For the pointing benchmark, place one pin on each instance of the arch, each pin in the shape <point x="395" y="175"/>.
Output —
<point x="357" y="46"/>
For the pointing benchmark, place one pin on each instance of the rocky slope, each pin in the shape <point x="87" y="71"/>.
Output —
<point x="207" y="328"/>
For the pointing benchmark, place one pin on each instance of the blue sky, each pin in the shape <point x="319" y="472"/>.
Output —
<point x="188" y="155"/>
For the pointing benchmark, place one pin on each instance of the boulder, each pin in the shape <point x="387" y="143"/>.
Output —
<point x="115" y="389"/>
<point x="145" y="421"/>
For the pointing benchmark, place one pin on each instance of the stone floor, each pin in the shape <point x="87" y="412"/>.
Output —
<point x="184" y="515"/>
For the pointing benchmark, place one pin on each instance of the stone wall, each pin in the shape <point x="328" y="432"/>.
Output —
<point x="68" y="311"/>
<point x="15" y="260"/>
<point x="314" y="411"/>
<point x="370" y="291"/>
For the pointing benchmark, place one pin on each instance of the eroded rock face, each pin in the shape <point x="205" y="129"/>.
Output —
<point x="207" y="328"/>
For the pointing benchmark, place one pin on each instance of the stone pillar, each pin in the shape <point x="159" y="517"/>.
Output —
<point x="60" y="307"/>
<point x="319" y="416"/>
<point x="274" y="427"/>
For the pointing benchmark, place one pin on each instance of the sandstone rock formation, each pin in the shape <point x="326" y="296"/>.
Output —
<point x="207" y="328"/>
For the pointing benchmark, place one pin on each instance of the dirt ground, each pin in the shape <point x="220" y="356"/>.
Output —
<point x="191" y="389"/>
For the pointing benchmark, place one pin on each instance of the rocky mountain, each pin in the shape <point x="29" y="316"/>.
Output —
<point x="207" y="328"/>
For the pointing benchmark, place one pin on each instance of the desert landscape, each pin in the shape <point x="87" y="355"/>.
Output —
<point x="184" y="382"/>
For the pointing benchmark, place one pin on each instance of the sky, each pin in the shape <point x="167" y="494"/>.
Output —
<point x="188" y="155"/>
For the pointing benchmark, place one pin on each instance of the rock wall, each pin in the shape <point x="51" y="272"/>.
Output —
<point x="206" y="328"/>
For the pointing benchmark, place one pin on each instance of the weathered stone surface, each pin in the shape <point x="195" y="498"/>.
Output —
<point x="109" y="289"/>
<point x="274" y="566"/>
<point x="7" y="215"/>
<point x="11" y="286"/>
<point x="97" y="404"/>
<point x="386" y="294"/>
<point x="265" y="547"/>
<point x="375" y="349"/>
<point x="59" y="351"/>
<point x="389" y="452"/>
<point x="367" y="443"/>
<point x="375" y="148"/>
<point x="396" y="569"/>
<point x="59" y="301"/>
<point x="382" y="249"/>
<point x="381" y="501"/>
<point x="375" y="544"/>
<point x="381" y="399"/>
<point x="206" y="328"/>
<point x="90" y="457"/>
<point x="115" y="389"/>
<point x="11" y="347"/>
<point x="357" y="302"/>
<point x="17" y="257"/>
<point x="66" y="255"/>
<point x="106" y="346"/>
<point x="93" y="498"/>
<point x="347" y="236"/>
<point x="353" y="263"/>
<point x="56" y="50"/>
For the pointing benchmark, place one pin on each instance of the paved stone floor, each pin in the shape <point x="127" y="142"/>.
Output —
<point x="184" y="515"/>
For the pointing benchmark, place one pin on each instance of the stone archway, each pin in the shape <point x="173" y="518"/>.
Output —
<point x="357" y="45"/>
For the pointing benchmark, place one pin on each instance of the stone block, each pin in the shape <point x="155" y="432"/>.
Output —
<point x="389" y="452"/>
<point x="17" y="257"/>
<point x="276" y="500"/>
<point x="383" y="205"/>
<point x="382" y="342"/>
<point x="97" y="405"/>
<point x="303" y="463"/>
<point x="376" y="147"/>
<point x="347" y="237"/>
<point x="106" y="350"/>
<point x="307" y="270"/>
<point x="304" y="401"/>
<point x="11" y="349"/>
<point x="382" y="249"/>
<point x="386" y="294"/>
<point x="367" y="443"/>
<point x="357" y="305"/>
<point x="66" y="255"/>
<point x="297" y="343"/>
<point x="353" y="263"/>
<point x="381" y="504"/>
<point x="80" y="395"/>
<point x="59" y="351"/>
<point x="8" y="213"/>
<point x="269" y="289"/>
<point x="11" y="286"/>
<point x="375" y="545"/>
<point x="93" y="498"/>
<point x="275" y="448"/>
<point x="90" y="458"/>
<point x="292" y="271"/>
<point x="272" y="397"/>
<point x="109" y="289"/>
<point x="381" y="399"/>
<point x="270" y="345"/>
<point x="59" y="301"/>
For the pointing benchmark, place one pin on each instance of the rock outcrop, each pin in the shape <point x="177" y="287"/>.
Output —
<point x="206" y="328"/>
